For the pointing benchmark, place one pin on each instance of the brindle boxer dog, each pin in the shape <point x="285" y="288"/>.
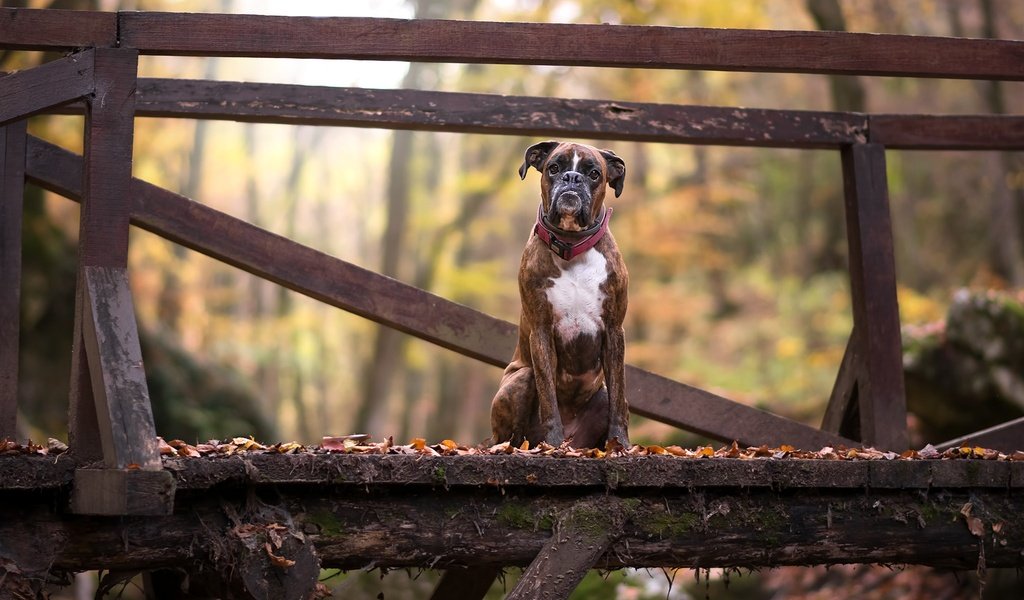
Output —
<point x="565" y="381"/>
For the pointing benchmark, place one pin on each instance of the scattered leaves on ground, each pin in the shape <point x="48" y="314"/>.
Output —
<point x="362" y="444"/>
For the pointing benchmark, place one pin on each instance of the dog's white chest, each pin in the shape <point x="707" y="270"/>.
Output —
<point x="576" y="297"/>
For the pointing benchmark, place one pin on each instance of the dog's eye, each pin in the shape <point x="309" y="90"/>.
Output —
<point x="553" y="170"/>
<point x="595" y="174"/>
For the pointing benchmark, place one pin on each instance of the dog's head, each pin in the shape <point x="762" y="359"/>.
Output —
<point x="572" y="182"/>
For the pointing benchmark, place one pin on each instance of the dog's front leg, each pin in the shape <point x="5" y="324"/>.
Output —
<point x="614" y="377"/>
<point x="542" y="350"/>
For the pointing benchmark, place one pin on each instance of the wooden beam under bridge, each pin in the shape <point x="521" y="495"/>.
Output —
<point x="397" y="510"/>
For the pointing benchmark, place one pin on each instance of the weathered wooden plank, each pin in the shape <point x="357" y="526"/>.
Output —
<point x="119" y="387"/>
<point x="708" y="414"/>
<point x="103" y="221"/>
<point x="880" y="389"/>
<point x="402" y="306"/>
<point x="1006" y="437"/>
<point x="12" y="186"/>
<point x="25" y="93"/>
<point x="113" y="492"/>
<point x="541" y="473"/>
<point x="37" y="29"/>
<point x="494" y="114"/>
<point x="423" y="40"/>
<point x="434" y="527"/>
<point x="541" y="117"/>
<point x="841" y="414"/>
<point x="948" y="132"/>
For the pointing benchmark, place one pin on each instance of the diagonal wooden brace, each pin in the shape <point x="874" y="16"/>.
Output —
<point x="132" y="481"/>
<point x="119" y="388"/>
<point x="34" y="90"/>
<point x="581" y="537"/>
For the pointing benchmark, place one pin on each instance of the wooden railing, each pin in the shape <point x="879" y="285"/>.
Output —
<point x="110" y="413"/>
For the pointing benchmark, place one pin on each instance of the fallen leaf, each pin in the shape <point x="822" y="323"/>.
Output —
<point x="733" y="450"/>
<point x="278" y="561"/>
<point x="166" y="449"/>
<point x="974" y="524"/>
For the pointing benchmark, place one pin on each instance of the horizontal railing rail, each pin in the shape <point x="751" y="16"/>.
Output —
<point x="419" y="40"/>
<point x="539" y="116"/>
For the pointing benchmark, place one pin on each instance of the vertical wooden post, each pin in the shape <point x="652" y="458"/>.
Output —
<point x="103" y="228"/>
<point x="111" y="416"/>
<point x="879" y="385"/>
<point x="12" y="192"/>
<point x="103" y="241"/>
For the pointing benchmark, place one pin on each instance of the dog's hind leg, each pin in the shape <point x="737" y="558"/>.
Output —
<point x="513" y="408"/>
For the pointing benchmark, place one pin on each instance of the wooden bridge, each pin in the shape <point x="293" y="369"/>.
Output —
<point x="791" y="512"/>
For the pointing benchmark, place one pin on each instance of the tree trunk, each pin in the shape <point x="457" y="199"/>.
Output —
<point x="848" y="94"/>
<point x="1007" y="249"/>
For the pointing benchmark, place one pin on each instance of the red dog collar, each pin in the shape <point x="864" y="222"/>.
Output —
<point x="567" y="245"/>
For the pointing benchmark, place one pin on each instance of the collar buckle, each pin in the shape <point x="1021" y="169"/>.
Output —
<point x="561" y="248"/>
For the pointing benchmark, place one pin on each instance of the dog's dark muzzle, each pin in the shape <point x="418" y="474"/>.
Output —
<point x="570" y="196"/>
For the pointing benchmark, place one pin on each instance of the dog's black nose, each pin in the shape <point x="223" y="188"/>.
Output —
<point x="572" y="177"/>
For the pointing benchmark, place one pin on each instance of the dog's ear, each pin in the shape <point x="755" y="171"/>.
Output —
<point x="616" y="170"/>
<point x="535" y="156"/>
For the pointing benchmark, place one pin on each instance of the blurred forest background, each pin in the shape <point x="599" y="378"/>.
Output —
<point x="737" y="256"/>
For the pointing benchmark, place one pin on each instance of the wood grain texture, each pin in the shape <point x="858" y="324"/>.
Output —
<point x="12" y="190"/>
<point x="675" y="403"/>
<point x="37" y="29"/>
<point x="424" y="40"/>
<point x="111" y="338"/>
<point x="103" y="222"/>
<point x="948" y="132"/>
<point x="494" y="114"/>
<point x="880" y="387"/>
<point x="28" y="92"/>
<point x="402" y="306"/>
<point x="543" y="117"/>
<point x="114" y="492"/>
